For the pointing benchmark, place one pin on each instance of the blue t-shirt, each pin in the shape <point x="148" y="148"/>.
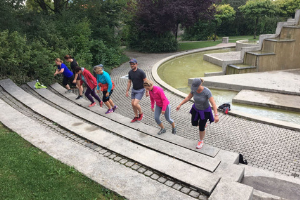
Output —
<point x="104" y="78"/>
<point x="67" y="73"/>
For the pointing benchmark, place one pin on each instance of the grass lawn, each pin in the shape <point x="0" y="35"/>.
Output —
<point x="28" y="173"/>
<point x="184" y="46"/>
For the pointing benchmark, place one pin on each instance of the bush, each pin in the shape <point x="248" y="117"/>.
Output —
<point x="153" y="44"/>
<point x="200" y="31"/>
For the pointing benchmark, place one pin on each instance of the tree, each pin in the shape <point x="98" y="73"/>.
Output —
<point x="55" y="6"/>
<point x="224" y="12"/>
<point x="256" y="10"/>
<point x="288" y="7"/>
<point x="161" y="16"/>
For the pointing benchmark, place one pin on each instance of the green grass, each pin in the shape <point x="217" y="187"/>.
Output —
<point x="28" y="173"/>
<point x="184" y="46"/>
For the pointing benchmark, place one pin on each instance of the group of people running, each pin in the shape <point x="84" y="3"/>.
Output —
<point x="201" y="111"/>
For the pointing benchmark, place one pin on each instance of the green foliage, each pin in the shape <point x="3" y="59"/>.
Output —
<point x="154" y="44"/>
<point x="224" y="12"/>
<point x="257" y="10"/>
<point x="288" y="7"/>
<point x="200" y="31"/>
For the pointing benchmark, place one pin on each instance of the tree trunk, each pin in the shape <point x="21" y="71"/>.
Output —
<point x="255" y="28"/>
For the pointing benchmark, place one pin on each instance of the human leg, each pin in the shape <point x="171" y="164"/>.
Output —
<point x="88" y="94"/>
<point x="95" y="95"/>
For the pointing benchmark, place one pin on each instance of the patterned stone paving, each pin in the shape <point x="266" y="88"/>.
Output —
<point x="263" y="146"/>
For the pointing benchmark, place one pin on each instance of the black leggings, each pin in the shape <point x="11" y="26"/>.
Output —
<point x="199" y="121"/>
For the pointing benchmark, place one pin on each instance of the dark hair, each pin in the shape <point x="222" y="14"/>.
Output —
<point x="77" y="69"/>
<point x="67" y="57"/>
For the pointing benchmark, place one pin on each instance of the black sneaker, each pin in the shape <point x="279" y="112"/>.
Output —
<point x="162" y="130"/>
<point x="174" y="130"/>
<point x="79" y="97"/>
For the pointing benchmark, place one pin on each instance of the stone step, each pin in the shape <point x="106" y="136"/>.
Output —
<point x="280" y="40"/>
<point x="175" y="139"/>
<point x="223" y="59"/>
<point x="189" y="174"/>
<point x="226" y="170"/>
<point x="268" y="99"/>
<point x="260" y="53"/>
<point x="194" y="158"/>
<point x="112" y="175"/>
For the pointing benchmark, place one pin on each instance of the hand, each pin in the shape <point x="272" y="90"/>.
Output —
<point x="107" y="94"/>
<point x="74" y="81"/>
<point x="163" y="112"/>
<point x="152" y="109"/>
<point x="127" y="95"/>
<point x="216" y="119"/>
<point x="147" y="94"/>
<point x="178" y="107"/>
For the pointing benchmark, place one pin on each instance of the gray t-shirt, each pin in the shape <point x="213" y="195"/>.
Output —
<point x="201" y="99"/>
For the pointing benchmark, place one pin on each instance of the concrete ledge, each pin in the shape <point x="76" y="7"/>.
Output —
<point x="231" y="191"/>
<point x="268" y="99"/>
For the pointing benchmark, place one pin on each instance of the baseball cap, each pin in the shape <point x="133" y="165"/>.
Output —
<point x="133" y="60"/>
<point x="195" y="84"/>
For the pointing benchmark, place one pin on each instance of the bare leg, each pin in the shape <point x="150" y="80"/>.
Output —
<point x="111" y="103"/>
<point x="161" y="125"/>
<point x="80" y="88"/>
<point x="201" y="134"/>
<point x="107" y="104"/>
<point x="68" y="87"/>
<point x="134" y="103"/>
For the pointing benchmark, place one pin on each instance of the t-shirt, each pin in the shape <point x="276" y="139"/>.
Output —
<point x="73" y="64"/>
<point x="201" y="99"/>
<point x="137" y="77"/>
<point x="67" y="73"/>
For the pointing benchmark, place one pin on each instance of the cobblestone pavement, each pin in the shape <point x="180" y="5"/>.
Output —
<point x="263" y="146"/>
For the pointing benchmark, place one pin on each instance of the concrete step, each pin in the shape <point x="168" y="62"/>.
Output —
<point x="280" y="40"/>
<point x="202" y="180"/>
<point x="112" y="175"/>
<point x="226" y="170"/>
<point x="268" y="99"/>
<point x="180" y="141"/>
<point x="260" y="53"/>
<point x="223" y="59"/>
<point x="194" y="158"/>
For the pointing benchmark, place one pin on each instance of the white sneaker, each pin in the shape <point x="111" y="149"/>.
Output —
<point x="199" y="145"/>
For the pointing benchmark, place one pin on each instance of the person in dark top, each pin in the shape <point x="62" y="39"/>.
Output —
<point x="201" y="110"/>
<point x="73" y="64"/>
<point x="137" y="77"/>
<point x="68" y="75"/>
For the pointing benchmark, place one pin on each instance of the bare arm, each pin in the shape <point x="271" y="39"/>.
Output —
<point x="75" y="78"/>
<point x="213" y="104"/>
<point x="128" y="87"/>
<point x="185" y="100"/>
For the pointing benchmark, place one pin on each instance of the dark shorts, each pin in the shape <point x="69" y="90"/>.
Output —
<point x="104" y="98"/>
<point x="199" y="121"/>
<point x="69" y="81"/>
<point x="78" y="77"/>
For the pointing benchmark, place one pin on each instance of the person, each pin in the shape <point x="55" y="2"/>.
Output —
<point x="76" y="80"/>
<point x="68" y="75"/>
<point x="107" y="85"/>
<point x="201" y="110"/>
<point x="158" y="97"/>
<point x="91" y="84"/>
<point x="137" y="77"/>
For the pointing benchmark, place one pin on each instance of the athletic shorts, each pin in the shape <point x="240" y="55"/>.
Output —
<point x="69" y="80"/>
<point x="137" y="94"/>
<point x="104" y="98"/>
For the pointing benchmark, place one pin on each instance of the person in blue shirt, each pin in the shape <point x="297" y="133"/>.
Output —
<point x="107" y="85"/>
<point x="68" y="75"/>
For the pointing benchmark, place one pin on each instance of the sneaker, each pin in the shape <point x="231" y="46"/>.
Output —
<point x="162" y="130"/>
<point x="114" y="108"/>
<point x="140" y="117"/>
<point x="79" y="97"/>
<point x="134" y="119"/>
<point x="174" y="130"/>
<point x="92" y="104"/>
<point x="68" y="91"/>
<point x="101" y="104"/>
<point x="109" y="111"/>
<point x="199" y="145"/>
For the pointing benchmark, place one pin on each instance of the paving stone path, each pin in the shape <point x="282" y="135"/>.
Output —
<point x="264" y="146"/>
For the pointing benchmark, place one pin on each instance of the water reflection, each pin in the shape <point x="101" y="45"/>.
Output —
<point x="176" y="73"/>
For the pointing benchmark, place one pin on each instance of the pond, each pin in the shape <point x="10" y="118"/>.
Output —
<point x="177" y="71"/>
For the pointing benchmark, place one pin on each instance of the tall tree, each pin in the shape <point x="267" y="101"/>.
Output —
<point x="288" y="7"/>
<point x="161" y="16"/>
<point x="224" y="12"/>
<point x="257" y="10"/>
<point x="47" y="6"/>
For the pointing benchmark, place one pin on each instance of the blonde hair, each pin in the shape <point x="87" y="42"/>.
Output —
<point x="201" y="80"/>
<point x="58" y="60"/>
<point x="148" y="83"/>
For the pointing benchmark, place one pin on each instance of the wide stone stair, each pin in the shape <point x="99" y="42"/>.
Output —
<point x="141" y="164"/>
